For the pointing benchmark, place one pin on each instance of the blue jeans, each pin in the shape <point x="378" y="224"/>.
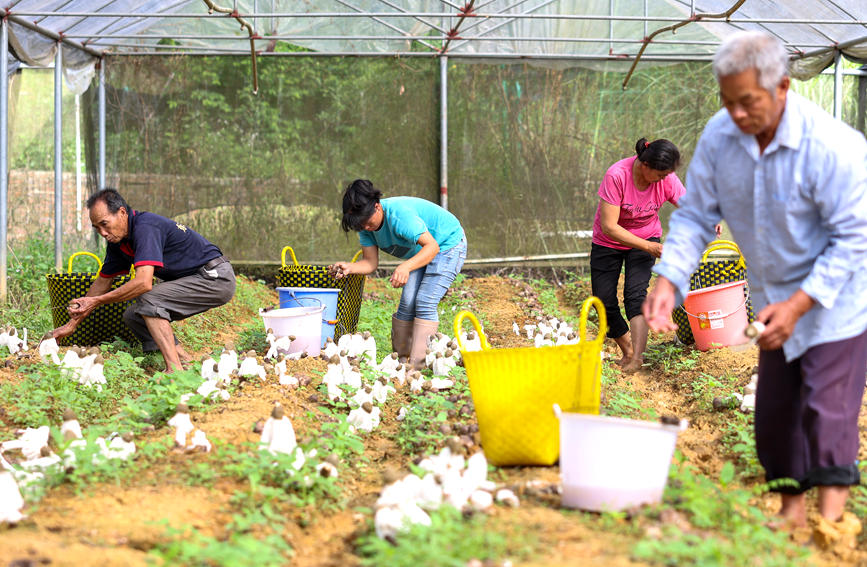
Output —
<point x="427" y="285"/>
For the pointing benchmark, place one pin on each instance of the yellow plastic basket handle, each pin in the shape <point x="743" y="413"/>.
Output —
<point x="459" y="320"/>
<point x="355" y="258"/>
<point x="295" y="260"/>
<point x="595" y="303"/>
<point x="283" y="256"/>
<point x="94" y="256"/>
<point x="725" y="245"/>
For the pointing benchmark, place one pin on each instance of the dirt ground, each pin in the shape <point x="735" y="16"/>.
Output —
<point x="116" y="525"/>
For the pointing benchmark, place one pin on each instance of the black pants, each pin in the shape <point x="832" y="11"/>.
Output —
<point x="605" y="266"/>
<point x="807" y="414"/>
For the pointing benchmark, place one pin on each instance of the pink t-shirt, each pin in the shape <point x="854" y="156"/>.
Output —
<point x="639" y="210"/>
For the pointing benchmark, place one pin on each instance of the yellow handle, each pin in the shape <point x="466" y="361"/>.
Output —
<point x="595" y="303"/>
<point x="283" y="256"/>
<point x="459" y="320"/>
<point x="725" y="245"/>
<point x="94" y="256"/>
<point x="295" y="260"/>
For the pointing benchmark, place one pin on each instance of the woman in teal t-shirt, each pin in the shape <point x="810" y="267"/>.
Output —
<point x="430" y="241"/>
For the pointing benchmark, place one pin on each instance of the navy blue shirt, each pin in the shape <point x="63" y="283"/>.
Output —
<point x="174" y="250"/>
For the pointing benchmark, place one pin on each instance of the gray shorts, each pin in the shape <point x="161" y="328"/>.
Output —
<point x="181" y="298"/>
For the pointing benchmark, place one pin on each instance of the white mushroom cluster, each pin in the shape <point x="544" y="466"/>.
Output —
<point x="450" y="479"/>
<point x="548" y="331"/>
<point x="10" y="339"/>
<point x="36" y="458"/>
<point x="188" y="438"/>
<point x="82" y="365"/>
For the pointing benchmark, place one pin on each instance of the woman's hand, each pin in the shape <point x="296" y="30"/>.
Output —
<point x="400" y="276"/>
<point x="654" y="248"/>
<point x="339" y="269"/>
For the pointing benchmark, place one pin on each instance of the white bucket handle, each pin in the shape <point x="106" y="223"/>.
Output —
<point x="557" y="411"/>
<point x="730" y="313"/>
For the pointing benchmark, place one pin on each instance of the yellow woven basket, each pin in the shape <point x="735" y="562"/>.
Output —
<point x="514" y="390"/>
<point x="106" y="321"/>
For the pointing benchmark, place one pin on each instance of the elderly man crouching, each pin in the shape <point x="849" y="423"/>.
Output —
<point x="196" y="276"/>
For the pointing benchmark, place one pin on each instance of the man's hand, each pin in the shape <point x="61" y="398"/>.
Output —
<point x="658" y="306"/>
<point x="66" y="329"/>
<point x="82" y="307"/>
<point x="400" y="276"/>
<point x="780" y="319"/>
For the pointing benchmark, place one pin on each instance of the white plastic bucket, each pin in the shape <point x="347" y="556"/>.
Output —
<point x="305" y="323"/>
<point x="611" y="464"/>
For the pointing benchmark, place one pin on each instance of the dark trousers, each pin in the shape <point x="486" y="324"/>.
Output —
<point x="605" y="266"/>
<point x="807" y="414"/>
<point x="181" y="298"/>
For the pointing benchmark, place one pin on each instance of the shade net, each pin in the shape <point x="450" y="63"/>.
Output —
<point x="527" y="145"/>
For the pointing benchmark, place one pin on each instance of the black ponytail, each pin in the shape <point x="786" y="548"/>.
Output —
<point x="359" y="204"/>
<point x="661" y="155"/>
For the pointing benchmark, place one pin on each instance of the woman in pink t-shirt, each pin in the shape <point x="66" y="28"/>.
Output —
<point x="627" y="231"/>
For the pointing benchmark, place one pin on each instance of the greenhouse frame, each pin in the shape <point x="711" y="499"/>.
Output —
<point x="80" y="38"/>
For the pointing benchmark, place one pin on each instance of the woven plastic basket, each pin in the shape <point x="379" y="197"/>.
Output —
<point x="106" y="321"/>
<point x="711" y="273"/>
<point x="351" y="287"/>
<point x="514" y="390"/>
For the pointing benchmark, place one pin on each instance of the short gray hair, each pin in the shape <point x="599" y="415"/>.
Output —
<point x="752" y="50"/>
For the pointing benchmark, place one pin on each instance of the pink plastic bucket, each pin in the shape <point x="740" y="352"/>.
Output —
<point x="717" y="315"/>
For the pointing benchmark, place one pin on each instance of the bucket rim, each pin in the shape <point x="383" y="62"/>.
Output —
<point x="310" y="289"/>
<point x="717" y="287"/>
<point x="282" y="311"/>
<point x="643" y="424"/>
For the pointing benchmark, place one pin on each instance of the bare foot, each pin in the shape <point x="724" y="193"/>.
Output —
<point x="633" y="366"/>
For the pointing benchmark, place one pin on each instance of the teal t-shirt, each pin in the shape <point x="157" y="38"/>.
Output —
<point x="405" y="220"/>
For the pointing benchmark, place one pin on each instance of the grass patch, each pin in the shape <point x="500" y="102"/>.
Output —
<point x="725" y="528"/>
<point x="450" y="541"/>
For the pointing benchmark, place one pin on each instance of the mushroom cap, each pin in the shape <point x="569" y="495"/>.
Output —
<point x="449" y="352"/>
<point x="47" y="335"/>
<point x="394" y="355"/>
<point x="471" y="335"/>
<point x="365" y="335"/>
<point x="367" y="406"/>
<point x="269" y="331"/>
<point x="205" y="357"/>
<point x="127" y="436"/>
<point x="344" y="352"/>
<point x="277" y="412"/>
<point x="45" y="451"/>
<point x="251" y="353"/>
<point x="291" y="338"/>
<point x="182" y="408"/>
<point x="329" y="340"/>
<point x="99" y="359"/>
<point x="229" y="345"/>
<point x="94" y="350"/>
<point x="69" y="414"/>
<point x="334" y="359"/>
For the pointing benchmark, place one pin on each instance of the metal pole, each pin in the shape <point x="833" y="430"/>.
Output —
<point x="78" y="163"/>
<point x="4" y="132"/>
<point x="101" y="112"/>
<point x="444" y="132"/>
<point x="58" y="159"/>
<point x="838" y="85"/>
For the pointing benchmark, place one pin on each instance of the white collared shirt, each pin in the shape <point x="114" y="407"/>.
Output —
<point x="798" y="212"/>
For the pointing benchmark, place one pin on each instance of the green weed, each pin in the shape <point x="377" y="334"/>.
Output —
<point x="670" y="358"/>
<point x="739" y="439"/>
<point x="187" y="546"/>
<point x="450" y="541"/>
<point x="740" y="536"/>
<point x="620" y="400"/>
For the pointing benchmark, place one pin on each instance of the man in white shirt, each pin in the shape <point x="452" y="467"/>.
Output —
<point x="791" y="182"/>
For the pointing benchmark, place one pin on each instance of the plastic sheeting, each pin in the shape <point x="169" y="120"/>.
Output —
<point x="596" y="40"/>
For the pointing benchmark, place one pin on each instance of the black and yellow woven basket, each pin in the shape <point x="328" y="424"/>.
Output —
<point x="106" y="321"/>
<point x="351" y="287"/>
<point x="710" y="273"/>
